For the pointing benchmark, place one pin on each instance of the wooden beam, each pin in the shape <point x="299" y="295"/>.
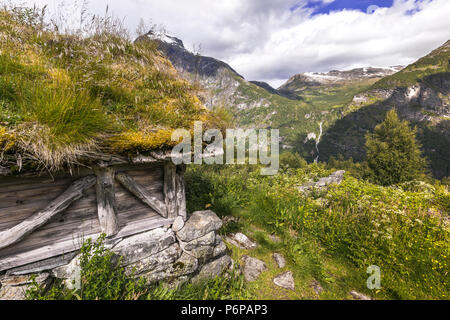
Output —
<point x="180" y="193"/>
<point x="19" y="231"/>
<point x="169" y="189"/>
<point x="72" y="243"/>
<point x="106" y="201"/>
<point x="139" y="191"/>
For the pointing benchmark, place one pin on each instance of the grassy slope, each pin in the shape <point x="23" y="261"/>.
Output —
<point x="333" y="237"/>
<point x="347" y="135"/>
<point x="434" y="63"/>
<point x="296" y="118"/>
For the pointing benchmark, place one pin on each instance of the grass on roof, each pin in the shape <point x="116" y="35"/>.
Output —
<point x="62" y="95"/>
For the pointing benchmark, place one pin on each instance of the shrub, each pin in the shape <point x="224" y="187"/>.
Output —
<point x="102" y="278"/>
<point x="393" y="154"/>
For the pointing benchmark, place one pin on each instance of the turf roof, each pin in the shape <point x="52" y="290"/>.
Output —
<point x="63" y="96"/>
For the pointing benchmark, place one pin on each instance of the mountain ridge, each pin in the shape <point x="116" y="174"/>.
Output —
<point x="310" y="102"/>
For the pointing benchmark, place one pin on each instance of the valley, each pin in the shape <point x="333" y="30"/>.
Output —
<point x="346" y="104"/>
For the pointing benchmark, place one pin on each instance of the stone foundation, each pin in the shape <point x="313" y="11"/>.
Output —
<point x="188" y="251"/>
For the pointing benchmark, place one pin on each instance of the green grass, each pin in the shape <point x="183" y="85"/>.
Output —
<point x="333" y="236"/>
<point x="62" y="95"/>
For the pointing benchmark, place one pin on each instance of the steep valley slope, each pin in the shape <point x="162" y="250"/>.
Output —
<point x="328" y="114"/>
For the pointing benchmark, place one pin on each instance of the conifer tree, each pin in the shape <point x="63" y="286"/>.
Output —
<point x="393" y="154"/>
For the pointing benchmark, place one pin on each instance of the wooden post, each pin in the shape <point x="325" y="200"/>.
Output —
<point x="106" y="201"/>
<point x="19" y="231"/>
<point x="170" y="189"/>
<point x="180" y="194"/>
<point x="137" y="190"/>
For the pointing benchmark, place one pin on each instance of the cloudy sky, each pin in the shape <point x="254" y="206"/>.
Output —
<point x="271" y="40"/>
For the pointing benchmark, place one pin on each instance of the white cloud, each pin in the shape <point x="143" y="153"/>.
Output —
<point x="265" y="40"/>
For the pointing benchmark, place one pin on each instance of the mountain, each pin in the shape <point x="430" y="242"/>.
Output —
<point x="253" y="103"/>
<point x="300" y="118"/>
<point x="299" y="83"/>
<point x="420" y="93"/>
<point x="327" y="114"/>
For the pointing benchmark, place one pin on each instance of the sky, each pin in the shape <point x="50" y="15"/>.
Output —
<point x="271" y="40"/>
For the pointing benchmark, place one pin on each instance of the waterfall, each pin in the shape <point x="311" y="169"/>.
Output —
<point x="317" y="142"/>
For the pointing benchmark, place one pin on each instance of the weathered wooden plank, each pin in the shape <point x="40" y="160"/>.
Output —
<point x="53" y="233"/>
<point x="19" y="231"/>
<point x="78" y="210"/>
<point x="42" y="265"/>
<point x="141" y="193"/>
<point x="170" y="189"/>
<point x="89" y="224"/>
<point x="70" y="244"/>
<point x="124" y="200"/>
<point x="180" y="194"/>
<point x="106" y="201"/>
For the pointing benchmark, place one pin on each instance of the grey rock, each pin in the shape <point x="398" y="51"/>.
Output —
<point x="359" y="296"/>
<point x="185" y="265"/>
<point x="207" y="240"/>
<point x="252" y="268"/>
<point x="219" y="249"/>
<point x="14" y="287"/>
<point x="199" y="224"/>
<point x="71" y="273"/>
<point x="334" y="178"/>
<point x="213" y="269"/>
<point x="144" y="244"/>
<point x="178" y="224"/>
<point x="229" y="219"/>
<point x="240" y="240"/>
<point x="285" y="280"/>
<point x="163" y="258"/>
<point x="279" y="259"/>
<point x="202" y="253"/>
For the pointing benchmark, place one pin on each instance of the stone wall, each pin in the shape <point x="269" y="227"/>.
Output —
<point x="188" y="251"/>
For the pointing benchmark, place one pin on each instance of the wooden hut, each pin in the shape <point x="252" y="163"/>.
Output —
<point x="43" y="216"/>
<point x="83" y="125"/>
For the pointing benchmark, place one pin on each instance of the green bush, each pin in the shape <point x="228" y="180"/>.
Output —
<point x="393" y="154"/>
<point x="402" y="229"/>
<point x="102" y="278"/>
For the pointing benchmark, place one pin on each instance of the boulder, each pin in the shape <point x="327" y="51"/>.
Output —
<point x="144" y="244"/>
<point x="220" y="247"/>
<point x="213" y="269"/>
<point x="279" y="259"/>
<point x="202" y="253"/>
<point x="359" y="296"/>
<point x="183" y="266"/>
<point x="14" y="287"/>
<point x="334" y="178"/>
<point x="160" y="259"/>
<point x="240" y="240"/>
<point x="178" y="224"/>
<point x="252" y="268"/>
<point x="199" y="224"/>
<point x="207" y="240"/>
<point x="70" y="273"/>
<point x="285" y="280"/>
